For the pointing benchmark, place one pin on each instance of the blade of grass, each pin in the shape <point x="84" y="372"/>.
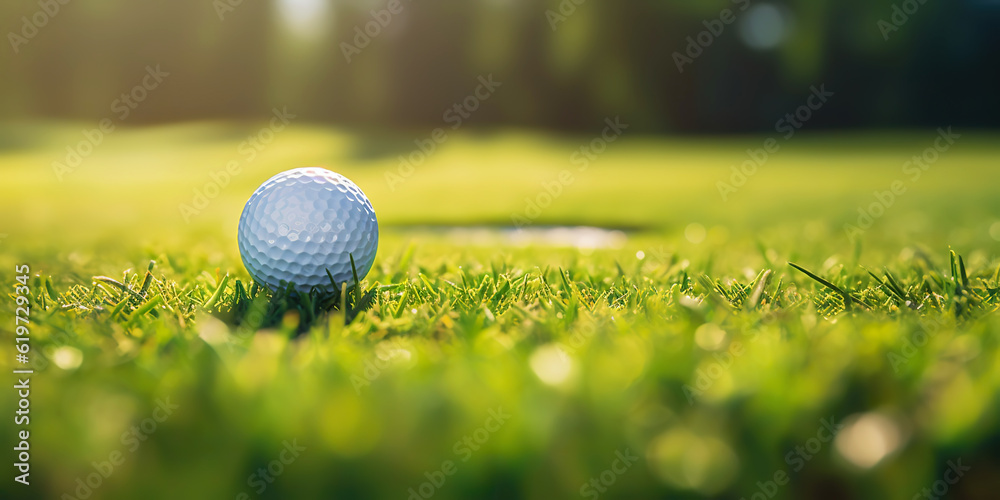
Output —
<point x="402" y="302"/>
<point x="848" y="300"/>
<point x="147" y="279"/>
<point x="217" y="295"/>
<point x="961" y="269"/>
<point x="147" y="307"/>
<point x="758" y="290"/>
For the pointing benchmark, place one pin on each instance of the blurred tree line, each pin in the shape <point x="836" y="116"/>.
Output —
<point x="563" y="64"/>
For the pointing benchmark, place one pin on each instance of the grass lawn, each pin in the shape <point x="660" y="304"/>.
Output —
<point x="675" y="353"/>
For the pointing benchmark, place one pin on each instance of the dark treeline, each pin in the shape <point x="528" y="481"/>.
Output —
<point x="563" y="65"/>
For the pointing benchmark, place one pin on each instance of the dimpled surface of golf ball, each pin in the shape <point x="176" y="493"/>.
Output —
<point x="304" y="222"/>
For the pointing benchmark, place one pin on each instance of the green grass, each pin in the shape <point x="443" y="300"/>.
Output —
<point x="710" y="359"/>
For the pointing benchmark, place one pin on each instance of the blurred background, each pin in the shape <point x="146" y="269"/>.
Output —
<point x="211" y="97"/>
<point x="564" y="66"/>
<point x="135" y="130"/>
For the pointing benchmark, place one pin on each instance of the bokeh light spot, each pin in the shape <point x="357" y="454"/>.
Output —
<point x="710" y="337"/>
<point x="695" y="233"/>
<point x="304" y="17"/>
<point x="694" y="462"/>
<point x="995" y="230"/>
<point x="551" y="364"/>
<point x="764" y="26"/>
<point x="67" y="358"/>
<point x="868" y="439"/>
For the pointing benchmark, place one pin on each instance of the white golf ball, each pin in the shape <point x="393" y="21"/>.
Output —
<point x="304" y="222"/>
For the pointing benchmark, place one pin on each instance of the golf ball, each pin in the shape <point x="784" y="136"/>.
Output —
<point x="304" y="222"/>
